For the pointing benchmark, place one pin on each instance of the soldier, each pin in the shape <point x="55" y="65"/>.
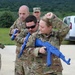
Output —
<point x="37" y="13"/>
<point x="2" y="47"/>
<point x="19" y="24"/>
<point x="53" y="30"/>
<point x="32" y="26"/>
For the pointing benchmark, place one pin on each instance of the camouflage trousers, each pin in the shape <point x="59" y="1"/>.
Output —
<point x="0" y="61"/>
<point x="28" y="65"/>
<point x="19" y="66"/>
<point x="24" y="67"/>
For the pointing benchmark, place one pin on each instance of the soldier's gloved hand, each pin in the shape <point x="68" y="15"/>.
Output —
<point x="2" y="46"/>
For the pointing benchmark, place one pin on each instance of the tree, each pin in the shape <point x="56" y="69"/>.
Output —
<point x="6" y="19"/>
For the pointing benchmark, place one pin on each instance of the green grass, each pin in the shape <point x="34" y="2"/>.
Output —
<point x="4" y="37"/>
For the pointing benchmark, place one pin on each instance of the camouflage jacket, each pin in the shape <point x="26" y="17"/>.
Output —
<point x="2" y="47"/>
<point x="20" y="25"/>
<point x="55" y="38"/>
<point x="0" y="61"/>
<point x="57" y="35"/>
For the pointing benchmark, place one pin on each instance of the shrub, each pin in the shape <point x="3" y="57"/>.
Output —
<point x="6" y="19"/>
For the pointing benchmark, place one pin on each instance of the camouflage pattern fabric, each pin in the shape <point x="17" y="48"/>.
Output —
<point x="36" y="62"/>
<point x="0" y="61"/>
<point x="60" y="27"/>
<point x="22" y="29"/>
<point x="19" y="25"/>
<point x="2" y="46"/>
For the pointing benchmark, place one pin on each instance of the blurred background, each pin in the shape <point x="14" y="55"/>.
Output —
<point x="9" y="13"/>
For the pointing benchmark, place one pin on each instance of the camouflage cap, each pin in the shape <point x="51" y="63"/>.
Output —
<point x="36" y="9"/>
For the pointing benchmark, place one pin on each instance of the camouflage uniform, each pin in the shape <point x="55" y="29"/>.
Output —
<point x="37" y="9"/>
<point x="22" y="28"/>
<point x="19" y="25"/>
<point x="1" y="46"/>
<point x="20" y="62"/>
<point x="36" y="62"/>
<point x="0" y="61"/>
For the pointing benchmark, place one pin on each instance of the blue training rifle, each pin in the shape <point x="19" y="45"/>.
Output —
<point x="13" y="35"/>
<point x="24" y="45"/>
<point x="49" y="49"/>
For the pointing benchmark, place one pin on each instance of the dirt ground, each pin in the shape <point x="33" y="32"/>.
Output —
<point x="8" y="60"/>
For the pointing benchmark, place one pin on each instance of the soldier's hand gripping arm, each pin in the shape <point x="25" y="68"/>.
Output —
<point x="58" y="25"/>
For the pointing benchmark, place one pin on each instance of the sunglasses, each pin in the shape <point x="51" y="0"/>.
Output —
<point x="33" y="26"/>
<point x="36" y="12"/>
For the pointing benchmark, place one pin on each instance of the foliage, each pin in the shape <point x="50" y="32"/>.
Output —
<point x="9" y="9"/>
<point x="61" y="8"/>
<point x="6" y="19"/>
<point x="46" y="5"/>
